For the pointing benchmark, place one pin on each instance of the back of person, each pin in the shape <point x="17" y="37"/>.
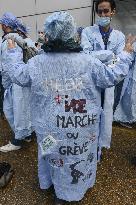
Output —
<point x="62" y="79"/>
<point x="66" y="93"/>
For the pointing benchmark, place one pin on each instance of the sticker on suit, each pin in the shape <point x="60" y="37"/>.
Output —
<point x="48" y="145"/>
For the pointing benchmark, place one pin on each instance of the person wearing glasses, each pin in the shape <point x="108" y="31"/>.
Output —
<point x="102" y="37"/>
<point x="66" y="87"/>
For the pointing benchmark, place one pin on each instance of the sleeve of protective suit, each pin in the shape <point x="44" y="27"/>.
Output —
<point x="30" y="43"/>
<point x="0" y="54"/>
<point x="108" y="76"/>
<point x="6" y="81"/>
<point x="121" y="42"/>
<point x="16" y="68"/>
<point x="104" y="56"/>
<point x="86" y="41"/>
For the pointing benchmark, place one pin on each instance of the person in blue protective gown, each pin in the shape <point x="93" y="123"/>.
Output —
<point x="23" y="32"/>
<point x="16" y="98"/>
<point x="66" y="87"/>
<point x="126" y="109"/>
<point x="1" y="88"/>
<point x="102" y="37"/>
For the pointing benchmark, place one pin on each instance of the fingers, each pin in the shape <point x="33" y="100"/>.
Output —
<point x="11" y="43"/>
<point x="130" y="39"/>
<point x="129" y="43"/>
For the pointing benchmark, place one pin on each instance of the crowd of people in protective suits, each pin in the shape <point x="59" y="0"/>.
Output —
<point x="78" y="82"/>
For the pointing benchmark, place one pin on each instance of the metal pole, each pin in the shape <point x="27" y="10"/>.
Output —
<point x="93" y="13"/>
<point x="36" y="19"/>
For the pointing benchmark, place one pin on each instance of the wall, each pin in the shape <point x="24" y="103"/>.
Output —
<point x="34" y="12"/>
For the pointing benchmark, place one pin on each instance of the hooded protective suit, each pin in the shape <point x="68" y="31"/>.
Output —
<point x="16" y="102"/>
<point x="92" y="43"/>
<point x="16" y="99"/>
<point x="66" y="96"/>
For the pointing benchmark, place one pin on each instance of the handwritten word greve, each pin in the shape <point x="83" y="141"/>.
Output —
<point x="76" y="150"/>
<point x="76" y="121"/>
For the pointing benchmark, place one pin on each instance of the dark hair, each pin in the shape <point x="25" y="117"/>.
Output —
<point x="112" y="3"/>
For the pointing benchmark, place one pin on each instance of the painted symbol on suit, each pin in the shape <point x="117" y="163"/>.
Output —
<point x="76" y="174"/>
<point x="75" y="105"/>
<point x="58" y="99"/>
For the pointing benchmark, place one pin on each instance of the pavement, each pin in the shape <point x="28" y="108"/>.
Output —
<point x="115" y="182"/>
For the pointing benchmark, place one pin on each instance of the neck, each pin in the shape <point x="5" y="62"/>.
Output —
<point x="9" y="30"/>
<point x="106" y="29"/>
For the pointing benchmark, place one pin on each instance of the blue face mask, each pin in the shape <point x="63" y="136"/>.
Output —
<point x="103" y="21"/>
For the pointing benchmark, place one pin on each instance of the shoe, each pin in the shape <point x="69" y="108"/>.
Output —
<point x="6" y="173"/>
<point x="133" y="161"/>
<point x="28" y="139"/>
<point x="9" y="147"/>
<point x="58" y="201"/>
<point x="126" y="125"/>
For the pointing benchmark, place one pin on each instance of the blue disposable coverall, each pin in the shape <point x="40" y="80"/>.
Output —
<point x="16" y="98"/>
<point x="92" y="43"/>
<point x="66" y="105"/>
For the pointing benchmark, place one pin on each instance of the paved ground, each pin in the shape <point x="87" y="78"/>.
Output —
<point x="116" y="175"/>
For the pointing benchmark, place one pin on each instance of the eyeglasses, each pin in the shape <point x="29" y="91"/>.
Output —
<point x="40" y="32"/>
<point x="105" y="11"/>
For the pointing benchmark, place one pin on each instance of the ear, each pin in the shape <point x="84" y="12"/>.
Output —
<point x="113" y="12"/>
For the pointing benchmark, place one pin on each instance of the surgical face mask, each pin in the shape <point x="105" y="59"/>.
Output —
<point x="41" y="35"/>
<point x="104" y="21"/>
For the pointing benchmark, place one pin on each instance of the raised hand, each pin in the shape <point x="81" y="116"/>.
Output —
<point x="129" y="43"/>
<point x="11" y="43"/>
